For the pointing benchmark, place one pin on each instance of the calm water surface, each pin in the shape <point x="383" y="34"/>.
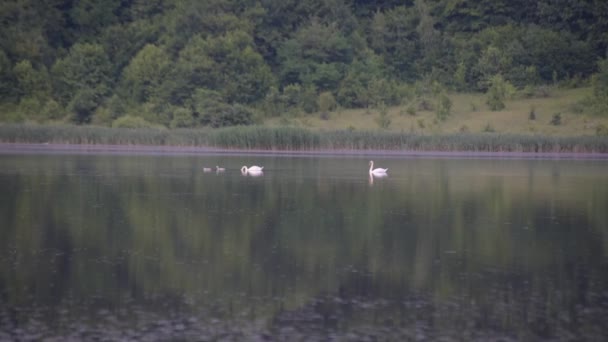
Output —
<point x="152" y="248"/>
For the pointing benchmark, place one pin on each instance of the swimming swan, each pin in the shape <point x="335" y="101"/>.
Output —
<point x="253" y="168"/>
<point x="378" y="171"/>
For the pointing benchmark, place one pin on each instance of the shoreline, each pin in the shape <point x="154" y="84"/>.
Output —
<point x="52" y="148"/>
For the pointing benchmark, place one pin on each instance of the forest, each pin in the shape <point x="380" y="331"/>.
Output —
<point x="190" y="63"/>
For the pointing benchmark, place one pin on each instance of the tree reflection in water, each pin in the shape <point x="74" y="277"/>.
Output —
<point x="149" y="247"/>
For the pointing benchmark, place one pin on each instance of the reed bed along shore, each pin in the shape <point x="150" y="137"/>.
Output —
<point x="301" y="139"/>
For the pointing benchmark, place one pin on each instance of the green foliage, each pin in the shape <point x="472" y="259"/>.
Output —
<point x="460" y="77"/>
<point x="411" y="110"/>
<point x="83" y="105"/>
<point x="556" y="119"/>
<point x="91" y="16"/>
<point x="145" y="74"/>
<point x="227" y="64"/>
<point x="497" y="93"/>
<point x="354" y="89"/>
<point x="394" y="36"/>
<point x="326" y="102"/>
<point x="154" y="55"/>
<point x="32" y="82"/>
<point x="601" y="130"/>
<point x="30" y="107"/>
<point x="444" y="107"/>
<point x="532" y="115"/>
<point x="86" y="68"/>
<point x="7" y="82"/>
<point x="182" y="118"/>
<point x="383" y="120"/>
<point x="212" y="111"/>
<point x="600" y="89"/>
<point x="317" y="54"/>
<point x="132" y="122"/>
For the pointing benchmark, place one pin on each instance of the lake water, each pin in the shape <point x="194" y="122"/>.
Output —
<point x="150" y="247"/>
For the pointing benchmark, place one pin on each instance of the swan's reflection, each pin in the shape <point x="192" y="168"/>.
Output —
<point x="376" y="175"/>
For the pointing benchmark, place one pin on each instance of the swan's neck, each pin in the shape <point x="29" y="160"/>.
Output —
<point x="371" y="166"/>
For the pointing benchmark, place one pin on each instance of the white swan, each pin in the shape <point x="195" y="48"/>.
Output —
<point x="219" y="169"/>
<point x="255" y="173"/>
<point x="253" y="168"/>
<point x="206" y="169"/>
<point x="378" y="171"/>
<point x="251" y="172"/>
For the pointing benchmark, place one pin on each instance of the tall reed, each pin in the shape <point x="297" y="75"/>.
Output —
<point x="300" y="139"/>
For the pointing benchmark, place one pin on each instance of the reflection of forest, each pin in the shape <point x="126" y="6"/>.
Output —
<point x="497" y="245"/>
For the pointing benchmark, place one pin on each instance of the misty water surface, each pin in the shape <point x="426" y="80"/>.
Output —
<point x="151" y="247"/>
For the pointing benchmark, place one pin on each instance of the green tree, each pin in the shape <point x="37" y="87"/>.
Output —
<point x="228" y="64"/>
<point x="182" y="118"/>
<point x="600" y="89"/>
<point x="443" y="107"/>
<point x="82" y="80"/>
<point x="85" y="67"/>
<point x="354" y="88"/>
<point x="317" y="54"/>
<point x="143" y="77"/>
<point x="395" y="38"/>
<point x="91" y="16"/>
<point x="498" y="92"/>
<point x="32" y="82"/>
<point x="7" y="78"/>
<point x="326" y="102"/>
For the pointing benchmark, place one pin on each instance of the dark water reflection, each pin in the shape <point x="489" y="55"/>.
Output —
<point x="151" y="247"/>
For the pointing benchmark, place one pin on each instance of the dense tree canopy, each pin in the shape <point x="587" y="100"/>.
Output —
<point x="187" y="63"/>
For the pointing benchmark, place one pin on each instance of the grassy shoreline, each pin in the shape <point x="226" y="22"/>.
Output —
<point x="262" y="138"/>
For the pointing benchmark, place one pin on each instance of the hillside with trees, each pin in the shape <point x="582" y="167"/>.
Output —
<point x="190" y="63"/>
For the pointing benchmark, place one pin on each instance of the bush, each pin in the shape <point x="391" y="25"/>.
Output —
<point x="235" y="115"/>
<point x="83" y="105"/>
<point x="601" y="130"/>
<point x="444" y="106"/>
<point x="498" y="92"/>
<point x="532" y="115"/>
<point x="600" y="89"/>
<point x="556" y="120"/>
<point x="182" y="118"/>
<point x="326" y="102"/>
<point x="133" y="122"/>
<point x="411" y="110"/>
<point x="383" y="120"/>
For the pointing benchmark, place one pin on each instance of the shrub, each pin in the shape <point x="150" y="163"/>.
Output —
<point x="132" y="122"/>
<point x="600" y="89"/>
<point x="235" y="115"/>
<point x="383" y="120"/>
<point x="556" y="120"/>
<point x="444" y="105"/>
<point x="411" y="110"/>
<point x="182" y="118"/>
<point x="420" y="123"/>
<point x="497" y="93"/>
<point x="532" y="115"/>
<point x="326" y="102"/>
